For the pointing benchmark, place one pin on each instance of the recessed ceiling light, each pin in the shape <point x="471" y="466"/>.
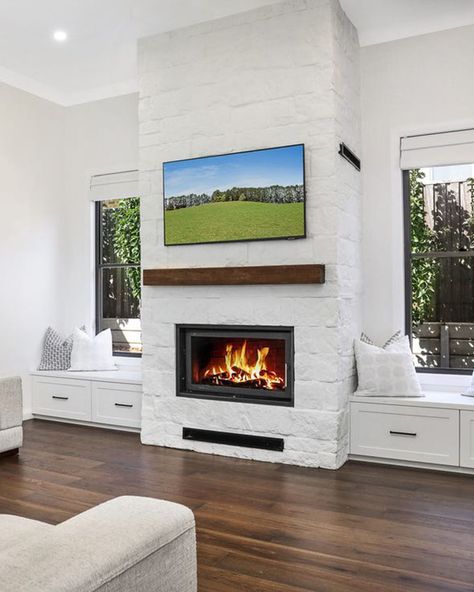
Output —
<point x="60" y="35"/>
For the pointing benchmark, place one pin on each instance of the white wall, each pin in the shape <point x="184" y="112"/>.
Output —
<point x="100" y="137"/>
<point x="47" y="154"/>
<point x="409" y="86"/>
<point x="32" y="236"/>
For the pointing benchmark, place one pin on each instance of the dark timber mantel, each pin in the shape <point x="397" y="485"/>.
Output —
<point x="235" y="276"/>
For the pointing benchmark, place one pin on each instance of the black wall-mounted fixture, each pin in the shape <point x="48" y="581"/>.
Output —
<point x="348" y="155"/>
<point x="231" y="439"/>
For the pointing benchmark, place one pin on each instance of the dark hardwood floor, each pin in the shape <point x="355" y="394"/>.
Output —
<point x="263" y="527"/>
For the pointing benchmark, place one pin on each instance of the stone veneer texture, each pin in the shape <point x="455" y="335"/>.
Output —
<point x="283" y="74"/>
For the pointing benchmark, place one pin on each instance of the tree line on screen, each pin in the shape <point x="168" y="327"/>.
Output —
<point x="276" y="194"/>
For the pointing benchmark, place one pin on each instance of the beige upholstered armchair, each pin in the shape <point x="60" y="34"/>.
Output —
<point x="11" y="416"/>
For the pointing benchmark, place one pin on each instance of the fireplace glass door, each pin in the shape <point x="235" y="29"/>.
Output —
<point x="248" y="364"/>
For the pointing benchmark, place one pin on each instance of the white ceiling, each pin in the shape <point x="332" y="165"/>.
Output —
<point x="379" y="21"/>
<point x="99" y="58"/>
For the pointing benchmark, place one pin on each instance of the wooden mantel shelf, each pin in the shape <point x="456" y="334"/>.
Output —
<point x="235" y="276"/>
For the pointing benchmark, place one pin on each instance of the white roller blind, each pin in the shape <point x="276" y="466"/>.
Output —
<point x="114" y="185"/>
<point x="445" y="148"/>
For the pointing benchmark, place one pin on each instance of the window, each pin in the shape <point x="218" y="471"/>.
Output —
<point x="440" y="266"/>
<point x="118" y="279"/>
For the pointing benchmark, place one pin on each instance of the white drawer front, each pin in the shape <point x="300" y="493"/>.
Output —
<point x="117" y="404"/>
<point x="421" y="434"/>
<point x="467" y="439"/>
<point x="70" y="399"/>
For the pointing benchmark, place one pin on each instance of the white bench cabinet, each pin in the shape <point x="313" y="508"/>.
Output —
<point x="467" y="439"/>
<point x="108" y="399"/>
<point x="117" y="404"/>
<point x="420" y="434"/>
<point x="434" y="431"/>
<point x="62" y="398"/>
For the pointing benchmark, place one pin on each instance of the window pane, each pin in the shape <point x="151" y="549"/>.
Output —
<point x="121" y="307"/>
<point x="443" y="312"/>
<point x="118" y="262"/>
<point x="120" y="230"/>
<point x="441" y="213"/>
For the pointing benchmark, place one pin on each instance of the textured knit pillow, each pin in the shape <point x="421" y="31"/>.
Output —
<point x="92" y="353"/>
<point x="56" y="354"/>
<point x="386" y="371"/>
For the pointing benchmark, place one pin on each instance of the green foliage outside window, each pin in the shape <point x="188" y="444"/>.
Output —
<point x="126" y="240"/>
<point x="121" y="246"/>
<point x="424" y="271"/>
<point x="470" y="188"/>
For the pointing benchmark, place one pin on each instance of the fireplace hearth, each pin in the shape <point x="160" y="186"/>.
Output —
<point x="247" y="364"/>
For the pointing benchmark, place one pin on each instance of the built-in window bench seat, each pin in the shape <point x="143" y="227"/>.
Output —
<point x="110" y="399"/>
<point x="436" y="431"/>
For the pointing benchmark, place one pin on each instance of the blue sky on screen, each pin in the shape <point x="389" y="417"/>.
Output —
<point x="261" y="168"/>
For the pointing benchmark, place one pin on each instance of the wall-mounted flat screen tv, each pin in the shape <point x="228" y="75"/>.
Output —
<point x="242" y="196"/>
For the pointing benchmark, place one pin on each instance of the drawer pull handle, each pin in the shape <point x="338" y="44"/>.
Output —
<point x="394" y="433"/>
<point x="60" y="398"/>
<point x="123" y="405"/>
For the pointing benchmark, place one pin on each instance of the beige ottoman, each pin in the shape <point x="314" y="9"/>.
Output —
<point x="11" y="416"/>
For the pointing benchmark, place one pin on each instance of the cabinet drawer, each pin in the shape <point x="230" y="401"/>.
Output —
<point x="117" y="404"/>
<point x="64" y="398"/>
<point x="467" y="439"/>
<point x="421" y="434"/>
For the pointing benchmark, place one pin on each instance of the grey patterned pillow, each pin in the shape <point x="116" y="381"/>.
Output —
<point x="366" y="339"/>
<point x="393" y="339"/>
<point x="56" y="354"/>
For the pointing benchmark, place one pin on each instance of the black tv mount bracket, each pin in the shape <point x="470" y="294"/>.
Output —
<point x="348" y="155"/>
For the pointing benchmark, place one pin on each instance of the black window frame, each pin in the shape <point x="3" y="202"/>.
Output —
<point x="99" y="266"/>
<point x="408" y="282"/>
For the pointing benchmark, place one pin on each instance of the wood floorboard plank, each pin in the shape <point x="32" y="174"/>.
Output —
<point x="29" y="473"/>
<point x="213" y="579"/>
<point x="18" y="507"/>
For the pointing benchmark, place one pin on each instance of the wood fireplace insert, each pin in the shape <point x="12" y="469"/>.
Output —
<point x="247" y="364"/>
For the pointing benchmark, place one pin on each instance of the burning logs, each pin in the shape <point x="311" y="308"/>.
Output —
<point x="239" y="372"/>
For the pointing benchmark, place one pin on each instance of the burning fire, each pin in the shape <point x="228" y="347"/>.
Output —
<point x="238" y="371"/>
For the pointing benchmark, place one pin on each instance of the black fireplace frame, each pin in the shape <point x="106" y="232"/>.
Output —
<point x="186" y="388"/>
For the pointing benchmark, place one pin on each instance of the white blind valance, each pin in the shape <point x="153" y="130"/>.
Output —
<point x="446" y="148"/>
<point x="114" y="185"/>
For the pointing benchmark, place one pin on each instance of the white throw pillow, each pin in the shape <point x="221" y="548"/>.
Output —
<point x="386" y="371"/>
<point x="92" y="353"/>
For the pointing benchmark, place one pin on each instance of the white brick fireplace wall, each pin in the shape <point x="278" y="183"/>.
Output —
<point x="278" y="75"/>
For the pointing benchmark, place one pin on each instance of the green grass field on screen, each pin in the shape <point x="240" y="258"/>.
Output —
<point x="231" y="221"/>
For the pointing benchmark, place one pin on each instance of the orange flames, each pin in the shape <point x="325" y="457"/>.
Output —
<point x="238" y="371"/>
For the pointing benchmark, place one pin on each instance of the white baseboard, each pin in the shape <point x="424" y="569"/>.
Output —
<point x="411" y="464"/>
<point x="86" y="423"/>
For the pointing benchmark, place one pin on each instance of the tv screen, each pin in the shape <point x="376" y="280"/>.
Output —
<point x="243" y="196"/>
